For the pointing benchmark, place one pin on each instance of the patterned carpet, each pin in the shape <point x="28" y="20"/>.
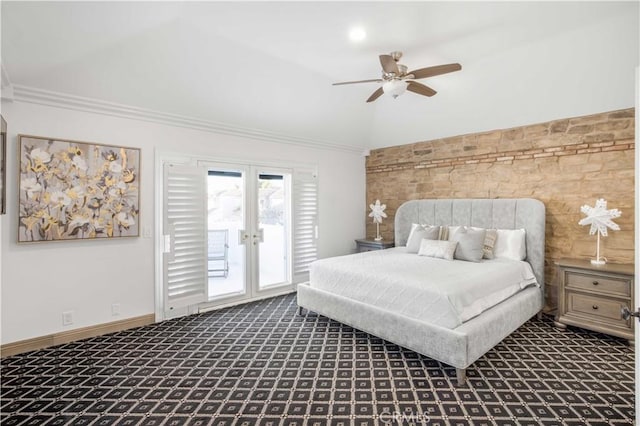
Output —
<point x="260" y="363"/>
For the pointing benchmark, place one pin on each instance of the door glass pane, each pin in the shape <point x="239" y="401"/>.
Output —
<point x="273" y="223"/>
<point x="226" y="255"/>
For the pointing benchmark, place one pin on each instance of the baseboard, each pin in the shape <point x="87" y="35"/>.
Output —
<point x="55" y="339"/>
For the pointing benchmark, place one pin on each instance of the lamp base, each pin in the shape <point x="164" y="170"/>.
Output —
<point x="377" y="239"/>
<point x="598" y="262"/>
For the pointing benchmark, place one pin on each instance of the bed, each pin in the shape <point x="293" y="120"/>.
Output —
<point x="459" y="339"/>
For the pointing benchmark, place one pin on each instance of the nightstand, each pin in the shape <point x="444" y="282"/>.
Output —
<point x="370" y="245"/>
<point x="592" y="296"/>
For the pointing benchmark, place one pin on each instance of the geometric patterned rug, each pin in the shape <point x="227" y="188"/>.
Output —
<point x="261" y="363"/>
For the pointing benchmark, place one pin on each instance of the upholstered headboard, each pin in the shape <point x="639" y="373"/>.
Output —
<point x="513" y="213"/>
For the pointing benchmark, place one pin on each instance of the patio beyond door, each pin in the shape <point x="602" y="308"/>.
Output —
<point x="249" y="231"/>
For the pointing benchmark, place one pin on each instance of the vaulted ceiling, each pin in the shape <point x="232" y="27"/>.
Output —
<point x="268" y="66"/>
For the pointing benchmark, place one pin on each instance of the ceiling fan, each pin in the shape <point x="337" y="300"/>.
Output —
<point x="395" y="78"/>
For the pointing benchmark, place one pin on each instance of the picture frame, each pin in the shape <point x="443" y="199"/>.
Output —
<point x="3" y="165"/>
<point x="73" y="190"/>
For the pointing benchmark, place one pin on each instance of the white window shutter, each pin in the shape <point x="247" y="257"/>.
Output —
<point x="305" y="223"/>
<point x="185" y="230"/>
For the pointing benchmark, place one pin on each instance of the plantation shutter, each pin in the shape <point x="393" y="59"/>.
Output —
<point x="305" y="223"/>
<point x="185" y="234"/>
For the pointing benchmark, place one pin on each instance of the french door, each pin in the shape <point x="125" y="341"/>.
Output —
<point x="249" y="231"/>
<point x="233" y="232"/>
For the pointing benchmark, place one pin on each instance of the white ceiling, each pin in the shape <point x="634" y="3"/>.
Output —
<point x="269" y="65"/>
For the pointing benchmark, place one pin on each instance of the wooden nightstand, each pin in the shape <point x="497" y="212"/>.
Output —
<point x="592" y="296"/>
<point x="369" y="245"/>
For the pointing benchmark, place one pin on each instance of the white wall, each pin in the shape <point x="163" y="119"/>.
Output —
<point x="41" y="280"/>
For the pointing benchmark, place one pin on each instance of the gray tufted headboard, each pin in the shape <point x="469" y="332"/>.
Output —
<point x="513" y="213"/>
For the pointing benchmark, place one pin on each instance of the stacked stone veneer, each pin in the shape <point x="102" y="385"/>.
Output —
<point x="564" y="163"/>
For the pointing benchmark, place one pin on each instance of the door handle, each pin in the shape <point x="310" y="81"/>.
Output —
<point x="626" y="313"/>
<point x="258" y="236"/>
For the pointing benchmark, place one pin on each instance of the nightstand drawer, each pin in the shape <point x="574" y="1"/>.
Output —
<point x="599" y="308"/>
<point x="598" y="283"/>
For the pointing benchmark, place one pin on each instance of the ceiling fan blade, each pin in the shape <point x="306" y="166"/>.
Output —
<point x="420" y="89"/>
<point x="375" y="80"/>
<point x="437" y="70"/>
<point x="375" y="95"/>
<point x="389" y="65"/>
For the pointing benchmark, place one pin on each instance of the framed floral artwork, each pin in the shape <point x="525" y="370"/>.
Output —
<point x="71" y="190"/>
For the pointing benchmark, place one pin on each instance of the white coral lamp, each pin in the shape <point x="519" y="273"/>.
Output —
<point x="600" y="219"/>
<point x="377" y="213"/>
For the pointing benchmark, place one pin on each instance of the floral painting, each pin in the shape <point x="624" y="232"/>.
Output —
<point x="75" y="190"/>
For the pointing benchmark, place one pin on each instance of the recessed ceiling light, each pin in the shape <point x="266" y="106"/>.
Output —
<point x="357" y="34"/>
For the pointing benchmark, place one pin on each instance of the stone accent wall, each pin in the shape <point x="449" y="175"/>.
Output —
<point x="564" y="163"/>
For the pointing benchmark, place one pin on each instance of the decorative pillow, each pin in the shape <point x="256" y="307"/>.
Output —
<point x="489" y="244"/>
<point x="447" y="232"/>
<point x="510" y="244"/>
<point x="437" y="248"/>
<point x="470" y="243"/>
<point x="418" y="232"/>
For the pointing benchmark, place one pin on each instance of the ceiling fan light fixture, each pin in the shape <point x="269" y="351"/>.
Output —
<point x="396" y="79"/>
<point x="394" y="87"/>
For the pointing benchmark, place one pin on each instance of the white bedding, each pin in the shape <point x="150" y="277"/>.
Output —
<point x="442" y="292"/>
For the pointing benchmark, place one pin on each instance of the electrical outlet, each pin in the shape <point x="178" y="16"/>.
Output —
<point x="115" y="309"/>
<point x="67" y="318"/>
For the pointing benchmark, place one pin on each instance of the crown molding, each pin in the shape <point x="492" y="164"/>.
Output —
<point x="63" y="100"/>
<point x="6" y="88"/>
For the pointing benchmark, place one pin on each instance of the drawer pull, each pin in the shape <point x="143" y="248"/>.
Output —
<point x="595" y="283"/>
<point x="595" y="307"/>
<point x="626" y="313"/>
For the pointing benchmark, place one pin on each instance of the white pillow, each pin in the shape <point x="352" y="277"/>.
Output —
<point x="449" y="231"/>
<point x="470" y="243"/>
<point x="420" y="232"/>
<point x="510" y="244"/>
<point x="437" y="248"/>
<point x="413" y="229"/>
